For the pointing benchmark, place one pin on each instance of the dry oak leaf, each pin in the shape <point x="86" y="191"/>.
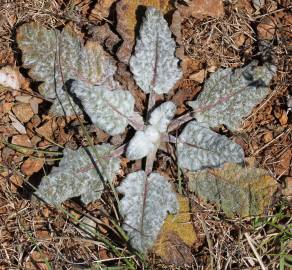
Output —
<point x="32" y="165"/>
<point x="202" y="8"/>
<point x="129" y="13"/>
<point x="267" y="28"/>
<point x="177" y="236"/>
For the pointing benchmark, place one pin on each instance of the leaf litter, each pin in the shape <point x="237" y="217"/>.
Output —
<point x="55" y="132"/>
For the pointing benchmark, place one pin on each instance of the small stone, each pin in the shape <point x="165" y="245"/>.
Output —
<point x="23" y="99"/>
<point x="32" y="165"/>
<point x="35" y="140"/>
<point x="36" y="121"/>
<point x="34" y="106"/>
<point x="47" y="129"/>
<point x="7" y="107"/>
<point x="10" y="77"/>
<point x="22" y="140"/>
<point x="258" y="3"/>
<point x="23" y="112"/>
<point x="203" y="8"/>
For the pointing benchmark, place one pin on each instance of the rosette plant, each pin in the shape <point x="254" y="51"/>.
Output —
<point x="79" y="78"/>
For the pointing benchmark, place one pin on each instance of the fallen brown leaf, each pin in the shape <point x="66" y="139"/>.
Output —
<point x="266" y="29"/>
<point x="129" y="13"/>
<point x="177" y="236"/>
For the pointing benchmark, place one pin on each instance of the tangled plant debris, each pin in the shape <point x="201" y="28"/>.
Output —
<point x="80" y="79"/>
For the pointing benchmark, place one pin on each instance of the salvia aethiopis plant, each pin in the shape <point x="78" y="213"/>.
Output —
<point x="79" y="78"/>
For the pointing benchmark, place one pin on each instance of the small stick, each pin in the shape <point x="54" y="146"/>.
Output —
<point x="272" y="141"/>
<point x="254" y="251"/>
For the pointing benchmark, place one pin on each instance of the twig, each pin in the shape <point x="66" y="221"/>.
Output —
<point x="254" y="251"/>
<point x="272" y="141"/>
<point x="209" y="242"/>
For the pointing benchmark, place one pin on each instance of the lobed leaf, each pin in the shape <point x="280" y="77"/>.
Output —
<point x="79" y="174"/>
<point x="109" y="107"/>
<point x="128" y="16"/>
<point x="54" y="57"/>
<point x="162" y="115"/>
<point x="236" y="190"/>
<point x="199" y="147"/>
<point x="228" y="96"/>
<point x="143" y="143"/>
<point x="145" y="206"/>
<point x="154" y="65"/>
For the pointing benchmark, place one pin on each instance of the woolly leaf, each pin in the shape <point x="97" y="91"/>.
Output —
<point x="199" y="147"/>
<point x="162" y="115"/>
<point x="109" y="107"/>
<point x="154" y="65"/>
<point x="236" y="190"/>
<point x="77" y="175"/>
<point x="54" y="57"/>
<point x="231" y="95"/>
<point x="145" y="206"/>
<point x="147" y="141"/>
<point x="143" y="143"/>
<point x="128" y="16"/>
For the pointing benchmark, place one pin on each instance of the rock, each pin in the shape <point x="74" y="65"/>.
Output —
<point x="23" y="112"/>
<point x="16" y="124"/>
<point x="23" y="98"/>
<point x="22" y="140"/>
<point x="32" y="165"/>
<point x="258" y="3"/>
<point x="203" y="8"/>
<point x="10" y="77"/>
<point x="47" y="129"/>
